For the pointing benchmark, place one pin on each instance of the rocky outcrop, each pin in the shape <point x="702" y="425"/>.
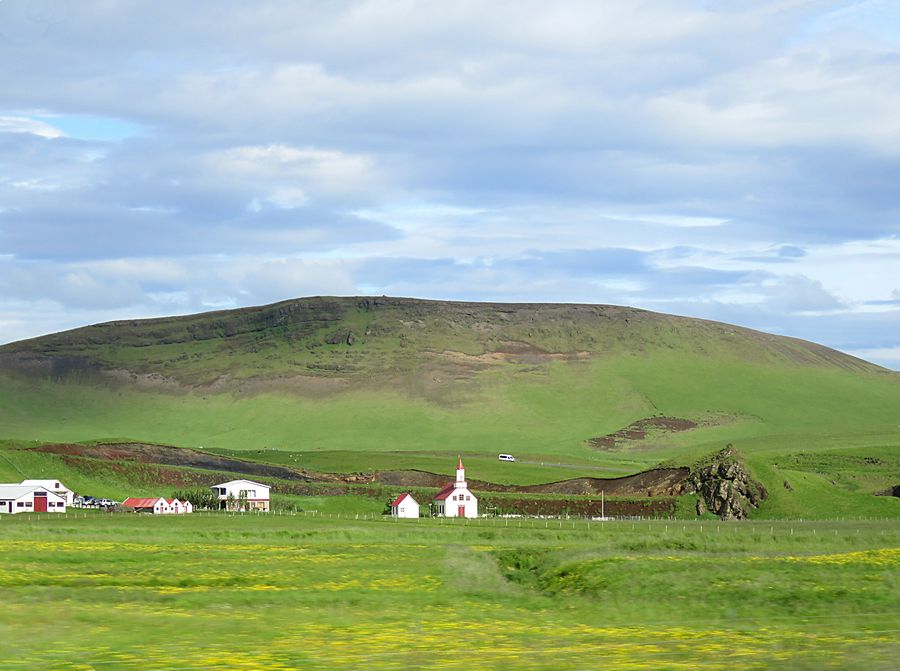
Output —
<point x="725" y="486"/>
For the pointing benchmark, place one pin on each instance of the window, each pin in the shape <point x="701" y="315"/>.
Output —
<point x="468" y="498"/>
<point x="19" y="504"/>
<point x="28" y="504"/>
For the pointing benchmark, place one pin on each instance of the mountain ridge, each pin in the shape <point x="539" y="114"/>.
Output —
<point x="375" y="324"/>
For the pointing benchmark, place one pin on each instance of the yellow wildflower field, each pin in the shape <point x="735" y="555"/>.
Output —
<point x="268" y="593"/>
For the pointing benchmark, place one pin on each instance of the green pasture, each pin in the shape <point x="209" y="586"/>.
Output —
<point x="111" y="592"/>
<point x="533" y="412"/>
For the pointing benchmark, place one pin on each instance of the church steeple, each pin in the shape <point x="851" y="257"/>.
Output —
<point x="460" y="474"/>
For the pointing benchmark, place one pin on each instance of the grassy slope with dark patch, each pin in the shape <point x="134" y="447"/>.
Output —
<point x="337" y="376"/>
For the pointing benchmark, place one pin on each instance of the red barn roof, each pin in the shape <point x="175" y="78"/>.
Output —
<point x="140" y="503"/>
<point x="445" y="492"/>
<point x="399" y="499"/>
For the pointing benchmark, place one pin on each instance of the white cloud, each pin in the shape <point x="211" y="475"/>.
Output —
<point x="25" y="125"/>
<point x="287" y="174"/>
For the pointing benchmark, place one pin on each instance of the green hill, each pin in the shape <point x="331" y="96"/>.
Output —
<point x="391" y="380"/>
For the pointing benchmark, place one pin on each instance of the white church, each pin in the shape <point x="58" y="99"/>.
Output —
<point x="455" y="500"/>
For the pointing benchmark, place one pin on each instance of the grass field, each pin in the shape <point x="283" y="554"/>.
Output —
<point x="130" y="592"/>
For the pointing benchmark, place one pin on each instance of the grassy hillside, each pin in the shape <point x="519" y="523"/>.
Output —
<point x="339" y="376"/>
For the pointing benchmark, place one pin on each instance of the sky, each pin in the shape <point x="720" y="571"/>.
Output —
<point x="736" y="161"/>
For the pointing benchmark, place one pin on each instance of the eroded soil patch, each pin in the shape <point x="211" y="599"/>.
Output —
<point x="640" y="430"/>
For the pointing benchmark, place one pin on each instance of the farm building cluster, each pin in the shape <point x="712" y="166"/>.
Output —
<point x="455" y="499"/>
<point x="52" y="496"/>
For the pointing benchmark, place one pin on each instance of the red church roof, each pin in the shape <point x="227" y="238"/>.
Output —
<point x="445" y="492"/>
<point x="398" y="500"/>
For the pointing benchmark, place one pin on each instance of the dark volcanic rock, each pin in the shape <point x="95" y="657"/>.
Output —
<point x="725" y="486"/>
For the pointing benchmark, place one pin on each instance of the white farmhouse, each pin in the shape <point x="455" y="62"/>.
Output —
<point x="29" y="499"/>
<point x="405" y="506"/>
<point x="455" y="500"/>
<point x="242" y="495"/>
<point x="54" y="486"/>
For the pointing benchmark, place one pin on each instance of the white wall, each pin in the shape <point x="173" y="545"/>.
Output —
<point x="451" y="507"/>
<point x="408" y="508"/>
<point x="27" y="501"/>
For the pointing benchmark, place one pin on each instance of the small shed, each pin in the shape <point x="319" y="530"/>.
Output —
<point x="405" y="506"/>
<point x="29" y="499"/>
<point x="153" y="505"/>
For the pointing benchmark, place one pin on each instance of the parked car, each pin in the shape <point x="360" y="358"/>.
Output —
<point x="506" y="457"/>
<point x="106" y="503"/>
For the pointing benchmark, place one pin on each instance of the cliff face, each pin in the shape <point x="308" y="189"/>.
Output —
<point x="725" y="486"/>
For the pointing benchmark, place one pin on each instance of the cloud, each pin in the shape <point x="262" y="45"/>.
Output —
<point x="26" y="125"/>
<point x="288" y="173"/>
<point x="731" y="161"/>
<point x="796" y="293"/>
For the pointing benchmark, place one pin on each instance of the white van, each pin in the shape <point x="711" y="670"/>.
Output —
<point x="506" y="457"/>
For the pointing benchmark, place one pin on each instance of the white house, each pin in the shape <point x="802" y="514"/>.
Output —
<point x="242" y="495"/>
<point x="177" y="507"/>
<point x="29" y="499"/>
<point x="54" y="486"/>
<point x="156" y="505"/>
<point x="455" y="500"/>
<point x="405" y="506"/>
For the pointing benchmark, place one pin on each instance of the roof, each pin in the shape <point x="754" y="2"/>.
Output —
<point x="141" y="503"/>
<point x="234" y="482"/>
<point x="459" y="465"/>
<point x="13" y="491"/>
<point x="49" y="484"/>
<point x="400" y="498"/>
<point x="445" y="492"/>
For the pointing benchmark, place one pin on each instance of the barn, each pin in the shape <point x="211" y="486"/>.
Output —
<point x="29" y="499"/>
<point x="54" y="486"/>
<point x="405" y="506"/>
<point x="455" y="499"/>
<point x="154" y="505"/>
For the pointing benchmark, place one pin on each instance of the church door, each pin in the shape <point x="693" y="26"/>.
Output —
<point x="462" y="511"/>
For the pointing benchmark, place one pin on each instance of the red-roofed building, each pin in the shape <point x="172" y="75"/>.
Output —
<point x="156" y="506"/>
<point x="405" y="506"/>
<point x="455" y="499"/>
